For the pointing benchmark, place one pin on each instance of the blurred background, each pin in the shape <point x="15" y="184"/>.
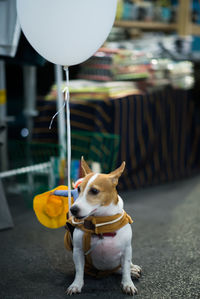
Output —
<point x="135" y="100"/>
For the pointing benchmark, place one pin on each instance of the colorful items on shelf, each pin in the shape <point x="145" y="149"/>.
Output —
<point x="127" y="67"/>
<point x="162" y="10"/>
<point x="177" y="74"/>
<point x="116" y="64"/>
<point x="147" y="67"/>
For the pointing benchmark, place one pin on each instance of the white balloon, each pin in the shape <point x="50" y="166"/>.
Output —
<point x="66" y="32"/>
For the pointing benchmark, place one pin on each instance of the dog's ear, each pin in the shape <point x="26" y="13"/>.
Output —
<point x="114" y="175"/>
<point x="85" y="168"/>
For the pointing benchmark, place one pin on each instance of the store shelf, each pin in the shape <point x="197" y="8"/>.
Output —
<point x="152" y="26"/>
<point x="193" y="29"/>
<point x="183" y="27"/>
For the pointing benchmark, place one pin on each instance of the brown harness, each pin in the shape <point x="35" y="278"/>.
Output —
<point x="106" y="226"/>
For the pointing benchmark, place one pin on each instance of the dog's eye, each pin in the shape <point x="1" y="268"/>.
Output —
<point x="79" y="189"/>
<point x="94" y="191"/>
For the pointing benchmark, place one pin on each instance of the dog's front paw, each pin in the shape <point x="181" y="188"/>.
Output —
<point x="73" y="289"/>
<point x="135" y="271"/>
<point x="129" y="288"/>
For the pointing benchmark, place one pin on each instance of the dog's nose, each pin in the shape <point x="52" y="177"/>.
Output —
<point x="74" y="210"/>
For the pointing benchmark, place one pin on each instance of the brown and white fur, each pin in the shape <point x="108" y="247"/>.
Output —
<point x="98" y="197"/>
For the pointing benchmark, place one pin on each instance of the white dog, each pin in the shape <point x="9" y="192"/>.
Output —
<point x="99" y="211"/>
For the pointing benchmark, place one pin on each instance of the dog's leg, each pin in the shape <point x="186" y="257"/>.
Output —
<point x="127" y="284"/>
<point x="79" y="261"/>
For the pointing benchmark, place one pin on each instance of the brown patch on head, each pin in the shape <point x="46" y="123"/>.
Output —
<point x="103" y="189"/>
<point x="107" y="192"/>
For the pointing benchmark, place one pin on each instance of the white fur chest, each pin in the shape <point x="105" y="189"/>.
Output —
<point x="106" y="253"/>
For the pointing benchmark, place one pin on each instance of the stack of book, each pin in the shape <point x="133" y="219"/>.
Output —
<point x="116" y="64"/>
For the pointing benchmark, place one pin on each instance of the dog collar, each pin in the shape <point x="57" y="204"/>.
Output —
<point x="101" y="236"/>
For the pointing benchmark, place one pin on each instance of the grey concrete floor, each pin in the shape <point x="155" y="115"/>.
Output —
<point x="166" y="243"/>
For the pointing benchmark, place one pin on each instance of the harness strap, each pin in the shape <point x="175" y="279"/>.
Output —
<point x="93" y="247"/>
<point x="101" y="236"/>
<point x="111" y="222"/>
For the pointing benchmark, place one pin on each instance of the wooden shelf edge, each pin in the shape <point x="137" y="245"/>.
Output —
<point x="195" y="29"/>
<point x="146" y="25"/>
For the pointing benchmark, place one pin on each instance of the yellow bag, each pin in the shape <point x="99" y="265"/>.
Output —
<point x="50" y="209"/>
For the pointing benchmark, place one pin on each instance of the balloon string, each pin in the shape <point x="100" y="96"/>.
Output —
<point x="50" y="126"/>
<point x="66" y="103"/>
<point x="67" y="99"/>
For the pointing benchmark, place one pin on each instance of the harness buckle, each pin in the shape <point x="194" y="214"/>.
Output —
<point x="89" y="225"/>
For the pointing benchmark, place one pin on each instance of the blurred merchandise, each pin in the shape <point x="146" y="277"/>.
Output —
<point x="148" y="11"/>
<point x="116" y="64"/>
<point x="117" y="33"/>
<point x="119" y="12"/>
<point x="163" y="11"/>
<point x="151" y="60"/>
<point x="179" y="74"/>
<point x="196" y="20"/>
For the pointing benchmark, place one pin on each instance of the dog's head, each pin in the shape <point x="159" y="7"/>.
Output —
<point x="96" y="191"/>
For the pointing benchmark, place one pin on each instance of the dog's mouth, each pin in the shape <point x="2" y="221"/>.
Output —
<point x="79" y="217"/>
<point x="84" y="217"/>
